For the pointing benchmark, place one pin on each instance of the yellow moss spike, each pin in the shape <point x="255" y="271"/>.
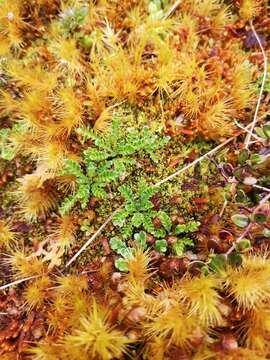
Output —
<point x="241" y="91"/>
<point x="8" y="105"/>
<point x="46" y="351"/>
<point x="35" y="196"/>
<point x="96" y="338"/>
<point x="63" y="233"/>
<point x="24" y="266"/>
<point x="249" y="9"/>
<point x="72" y="284"/>
<point x="138" y="266"/>
<point x="4" y="46"/>
<point x="50" y="156"/>
<point x="37" y="292"/>
<point x="202" y="298"/>
<point x="249" y="284"/>
<point x="256" y="329"/>
<point x="68" y="56"/>
<point x="7" y="236"/>
<point x="34" y="78"/>
<point x="70" y="110"/>
<point x="12" y="22"/>
<point x="36" y="111"/>
<point x="103" y="121"/>
<point x="173" y="325"/>
<point x="155" y="349"/>
<point x="216" y="122"/>
<point x="135" y="295"/>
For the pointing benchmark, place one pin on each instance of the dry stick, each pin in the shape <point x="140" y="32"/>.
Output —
<point x="261" y="188"/>
<point x="172" y="9"/>
<point x="16" y="282"/>
<point x="249" y="132"/>
<point x="247" y="140"/>
<point x="92" y="238"/>
<point x="220" y="146"/>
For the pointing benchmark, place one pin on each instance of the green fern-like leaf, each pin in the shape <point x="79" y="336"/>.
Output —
<point x="165" y="220"/>
<point x="137" y="219"/>
<point x="126" y="193"/>
<point x="67" y="204"/>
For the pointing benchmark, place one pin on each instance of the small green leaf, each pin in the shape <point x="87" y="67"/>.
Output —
<point x="266" y="130"/>
<point x="257" y="159"/>
<point x="240" y="220"/>
<point x="86" y="42"/>
<point x="8" y="153"/>
<point x="121" y="265"/>
<point x="243" y="245"/>
<point x="91" y="169"/>
<point x="116" y="243"/>
<point x="218" y="262"/>
<point x="161" y="246"/>
<point x="266" y="232"/>
<point x="140" y="239"/>
<point x="205" y="270"/>
<point x="188" y="227"/>
<point x="126" y="193"/>
<point x="193" y="226"/>
<point x="137" y="219"/>
<point x="241" y="197"/>
<point x="67" y="204"/>
<point x="259" y="218"/>
<point x="159" y="233"/>
<point x="243" y="156"/>
<point x="125" y="252"/>
<point x="235" y="259"/>
<point x="165" y="220"/>
<point x="259" y="131"/>
<point x="181" y="228"/>
<point x="86" y="133"/>
<point x="178" y="248"/>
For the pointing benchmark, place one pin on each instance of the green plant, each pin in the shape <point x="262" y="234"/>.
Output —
<point x="72" y="18"/>
<point x="126" y="252"/>
<point x="112" y="156"/>
<point x="138" y="212"/>
<point x="258" y="83"/>
<point x="180" y="245"/>
<point x="161" y="246"/>
<point x="7" y="147"/>
<point x="191" y="226"/>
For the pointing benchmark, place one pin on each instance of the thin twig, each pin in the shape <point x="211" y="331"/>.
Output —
<point x="214" y="150"/>
<point x="16" y="282"/>
<point x="248" y="138"/>
<point x="261" y="188"/>
<point x="172" y="9"/>
<point x="249" y="132"/>
<point x="92" y="238"/>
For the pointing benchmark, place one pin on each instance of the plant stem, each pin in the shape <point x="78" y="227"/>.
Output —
<point x="92" y="238"/>
<point x="172" y="9"/>
<point x="253" y="124"/>
<point x="16" y="282"/>
<point x="214" y="150"/>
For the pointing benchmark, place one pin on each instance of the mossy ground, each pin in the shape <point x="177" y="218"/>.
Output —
<point x="182" y="271"/>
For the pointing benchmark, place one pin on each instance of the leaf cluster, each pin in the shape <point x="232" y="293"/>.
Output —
<point x="112" y="156"/>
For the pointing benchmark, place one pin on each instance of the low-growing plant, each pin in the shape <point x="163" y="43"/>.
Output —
<point x="112" y="156"/>
<point x="138" y="212"/>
